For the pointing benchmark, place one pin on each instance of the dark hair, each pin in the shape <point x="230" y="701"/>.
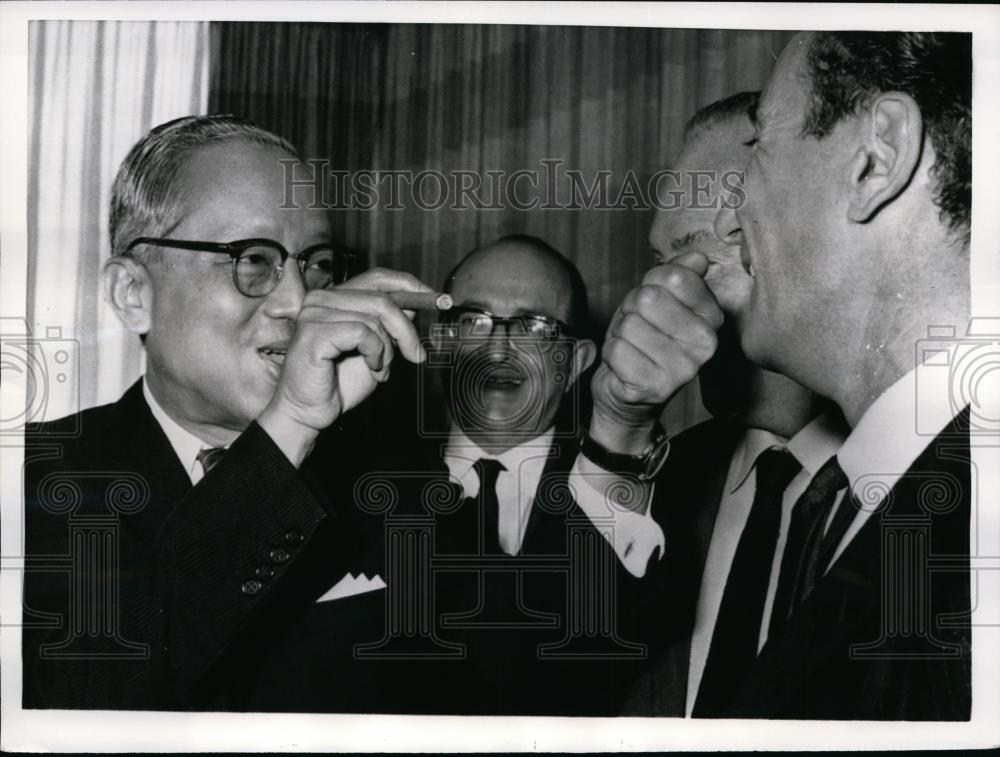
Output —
<point x="711" y="115"/>
<point x="578" y="308"/>
<point x="849" y="69"/>
<point x="144" y="196"/>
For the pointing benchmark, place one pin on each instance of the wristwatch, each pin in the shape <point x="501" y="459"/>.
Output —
<point x="644" y="466"/>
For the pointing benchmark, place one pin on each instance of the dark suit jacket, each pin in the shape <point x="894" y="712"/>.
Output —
<point x="143" y="592"/>
<point x="459" y="633"/>
<point x="847" y="652"/>
<point x="885" y="635"/>
<point x="688" y="491"/>
<point x="567" y="619"/>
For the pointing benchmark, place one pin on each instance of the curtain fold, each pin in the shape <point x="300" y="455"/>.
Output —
<point x="481" y="98"/>
<point x="97" y="87"/>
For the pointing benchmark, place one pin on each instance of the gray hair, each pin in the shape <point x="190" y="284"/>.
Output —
<point x="740" y="104"/>
<point x="144" y="197"/>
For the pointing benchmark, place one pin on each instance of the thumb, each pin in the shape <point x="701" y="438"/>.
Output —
<point x="693" y="261"/>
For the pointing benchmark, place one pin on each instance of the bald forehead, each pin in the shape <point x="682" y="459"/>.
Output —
<point x="516" y="275"/>
<point x="520" y="260"/>
<point x="719" y="147"/>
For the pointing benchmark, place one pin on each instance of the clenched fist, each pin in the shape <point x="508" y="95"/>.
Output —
<point x="658" y="339"/>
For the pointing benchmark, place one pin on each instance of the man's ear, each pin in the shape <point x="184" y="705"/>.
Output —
<point x="584" y="355"/>
<point x="128" y="288"/>
<point x="884" y="165"/>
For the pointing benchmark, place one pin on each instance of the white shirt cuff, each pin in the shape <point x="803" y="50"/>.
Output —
<point x="618" y="508"/>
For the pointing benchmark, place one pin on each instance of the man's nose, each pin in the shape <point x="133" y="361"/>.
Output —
<point x="499" y="338"/>
<point x="727" y="226"/>
<point x="286" y="299"/>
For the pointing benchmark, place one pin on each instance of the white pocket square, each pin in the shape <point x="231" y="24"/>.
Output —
<point x="350" y="585"/>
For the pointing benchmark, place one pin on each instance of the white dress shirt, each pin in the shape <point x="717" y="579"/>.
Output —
<point x="637" y="535"/>
<point x="812" y="446"/>
<point x="620" y="510"/>
<point x="186" y="445"/>
<point x="516" y="485"/>
<point x="892" y="433"/>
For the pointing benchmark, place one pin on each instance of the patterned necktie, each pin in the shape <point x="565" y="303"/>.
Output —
<point x="488" y="471"/>
<point x="209" y="457"/>
<point x="737" y="627"/>
<point x="801" y="565"/>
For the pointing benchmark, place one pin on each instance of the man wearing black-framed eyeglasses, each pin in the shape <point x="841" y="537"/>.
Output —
<point x="222" y="444"/>
<point x="258" y="264"/>
<point x="518" y="336"/>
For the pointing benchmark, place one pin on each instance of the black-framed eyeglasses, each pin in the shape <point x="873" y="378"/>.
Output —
<point x="258" y="263"/>
<point x="470" y="322"/>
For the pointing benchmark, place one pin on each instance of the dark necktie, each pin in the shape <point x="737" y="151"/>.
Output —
<point x="737" y="628"/>
<point x="489" y="507"/>
<point x="209" y="457"/>
<point x="802" y="563"/>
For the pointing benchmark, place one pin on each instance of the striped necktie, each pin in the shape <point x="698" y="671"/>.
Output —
<point x="801" y="565"/>
<point x="209" y="457"/>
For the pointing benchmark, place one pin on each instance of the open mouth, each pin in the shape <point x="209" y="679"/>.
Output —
<point x="273" y="354"/>
<point x="503" y="382"/>
<point x="502" y="378"/>
<point x="745" y="259"/>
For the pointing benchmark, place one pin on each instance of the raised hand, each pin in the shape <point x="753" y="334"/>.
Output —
<point x="658" y="339"/>
<point x="344" y="343"/>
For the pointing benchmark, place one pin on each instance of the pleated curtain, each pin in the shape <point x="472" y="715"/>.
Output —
<point x="481" y="98"/>
<point x="95" y="88"/>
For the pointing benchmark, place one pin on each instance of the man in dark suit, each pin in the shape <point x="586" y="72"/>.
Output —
<point x="851" y="274"/>
<point x="855" y="231"/>
<point x="172" y="535"/>
<point x="517" y="343"/>
<point x="715" y="471"/>
<point x="524" y="579"/>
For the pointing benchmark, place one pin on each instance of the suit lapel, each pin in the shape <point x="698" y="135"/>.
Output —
<point x="145" y="449"/>
<point x="844" y="611"/>
<point x="546" y="525"/>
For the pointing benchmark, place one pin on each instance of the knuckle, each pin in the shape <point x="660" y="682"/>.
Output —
<point x="704" y="335"/>
<point x="631" y="323"/>
<point x="377" y="273"/>
<point x="612" y="348"/>
<point x="315" y="297"/>
<point x="358" y="330"/>
<point x="647" y="296"/>
<point x="676" y="278"/>
<point x="633" y="393"/>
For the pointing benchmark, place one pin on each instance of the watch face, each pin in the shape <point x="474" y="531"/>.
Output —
<point x="655" y="459"/>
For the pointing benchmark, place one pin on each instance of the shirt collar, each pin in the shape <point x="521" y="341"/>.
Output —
<point x="812" y="445"/>
<point x="818" y="441"/>
<point x="461" y="453"/>
<point x="754" y="441"/>
<point x="185" y="444"/>
<point x="899" y="425"/>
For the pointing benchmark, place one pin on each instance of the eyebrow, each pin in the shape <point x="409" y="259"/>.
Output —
<point x="688" y="239"/>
